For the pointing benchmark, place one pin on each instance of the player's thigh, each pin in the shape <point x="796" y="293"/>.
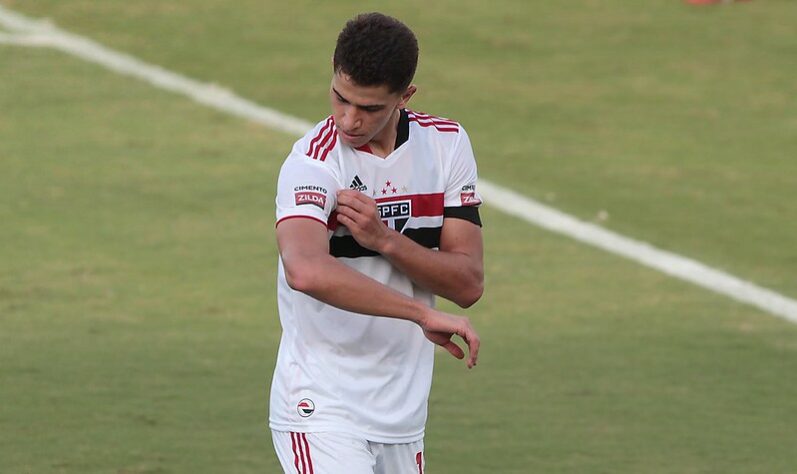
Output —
<point x="399" y="458"/>
<point x="322" y="453"/>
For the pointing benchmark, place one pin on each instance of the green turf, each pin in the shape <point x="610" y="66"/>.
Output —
<point x="137" y="257"/>
<point x="128" y="341"/>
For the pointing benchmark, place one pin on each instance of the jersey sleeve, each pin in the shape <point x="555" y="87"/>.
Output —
<point x="305" y="188"/>
<point x="462" y="200"/>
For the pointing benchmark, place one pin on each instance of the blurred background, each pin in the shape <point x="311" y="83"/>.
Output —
<point x="138" y="325"/>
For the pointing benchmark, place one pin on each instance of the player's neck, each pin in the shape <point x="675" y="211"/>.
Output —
<point x="384" y="142"/>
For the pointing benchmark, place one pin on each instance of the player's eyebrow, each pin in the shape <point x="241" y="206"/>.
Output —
<point x="370" y="107"/>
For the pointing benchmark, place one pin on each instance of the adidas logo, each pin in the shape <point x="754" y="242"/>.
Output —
<point x="357" y="184"/>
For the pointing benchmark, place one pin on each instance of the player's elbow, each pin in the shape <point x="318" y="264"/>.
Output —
<point x="301" y="277"/>
<point x="470" y="294"/>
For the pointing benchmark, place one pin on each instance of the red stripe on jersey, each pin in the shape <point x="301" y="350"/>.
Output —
<point x="299" y="217"/>
<point x="423" y="205"/>
<point x="440" y="124"/>
<point x="428" y="117"/>
<point x="431" y="120"/>
<point x="330" y="147"/>
<point x="321" y="133"/>
<point x="424" y="114"/>
<point x="435" y="124"/>
<point x="295" y="454"/>
<point x="307" y="448"/>
<point x="324" y="146"/>
<point x="439" y="128"/>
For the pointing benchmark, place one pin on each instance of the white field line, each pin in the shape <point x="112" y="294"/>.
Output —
<point x="30" y="40"/>
<point x="503" y="199"/>
<point x="207" y="94"/>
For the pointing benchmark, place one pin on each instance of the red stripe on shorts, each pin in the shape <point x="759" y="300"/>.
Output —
<point x="301" y="453"/>
<point x="307" y="447"/>
<point x="295" y="454"/>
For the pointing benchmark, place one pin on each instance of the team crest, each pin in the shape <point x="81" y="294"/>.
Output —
<point x="395" y="214"/>
<point x="306" y="407"/>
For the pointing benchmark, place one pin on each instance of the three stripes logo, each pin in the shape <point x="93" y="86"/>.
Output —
<point x="357" y="184"/>
<point x="306" y="407"/>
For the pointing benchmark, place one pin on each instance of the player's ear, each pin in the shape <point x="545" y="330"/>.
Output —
<point x="407" y="95"/>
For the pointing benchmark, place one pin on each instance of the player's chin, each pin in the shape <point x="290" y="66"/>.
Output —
<point x="352" y="140"/>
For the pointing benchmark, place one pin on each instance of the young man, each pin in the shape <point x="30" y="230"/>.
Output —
<point x="377" y="212"/>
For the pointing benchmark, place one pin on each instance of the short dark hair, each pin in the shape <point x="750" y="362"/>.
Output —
<point x="376" y="49"/>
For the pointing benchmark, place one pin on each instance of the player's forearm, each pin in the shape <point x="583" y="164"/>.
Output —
<point x="333" y="283"/>
<point x="454" y="276"/>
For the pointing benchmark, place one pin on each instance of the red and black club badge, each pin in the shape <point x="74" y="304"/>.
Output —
<point x="306" y="407"/>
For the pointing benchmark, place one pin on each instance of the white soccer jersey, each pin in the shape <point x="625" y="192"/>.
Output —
<point x="341" y="371"/>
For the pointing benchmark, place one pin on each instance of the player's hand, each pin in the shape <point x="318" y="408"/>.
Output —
<point x="439" y="327"/>
<point x="359" y="214"/>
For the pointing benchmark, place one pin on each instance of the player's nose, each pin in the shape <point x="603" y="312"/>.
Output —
<point x="350" y="121"/>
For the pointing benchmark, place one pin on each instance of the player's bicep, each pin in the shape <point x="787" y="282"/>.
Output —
<point x="301" y="239"/>
<point x="304" y="248"/>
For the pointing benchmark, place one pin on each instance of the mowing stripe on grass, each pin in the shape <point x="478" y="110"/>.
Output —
<point x="31" y="32"/>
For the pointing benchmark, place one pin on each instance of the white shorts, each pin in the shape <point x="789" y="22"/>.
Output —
<point x="341" y="453"/>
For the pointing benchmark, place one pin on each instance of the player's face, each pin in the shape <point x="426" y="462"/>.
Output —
<point x="362" y="113"/>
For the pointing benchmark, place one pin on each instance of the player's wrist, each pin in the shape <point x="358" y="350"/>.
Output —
<point x="388" y="243"/>
<point x="424" y="315"/>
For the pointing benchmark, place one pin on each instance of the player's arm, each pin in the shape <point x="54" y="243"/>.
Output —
<point x="455" y="272"/>
<point x="309" y="268"/>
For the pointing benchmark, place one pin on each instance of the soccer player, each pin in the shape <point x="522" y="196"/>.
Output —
<point x="377" y="212"/>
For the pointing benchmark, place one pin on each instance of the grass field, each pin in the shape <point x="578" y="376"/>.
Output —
<point x="138" y="322"/>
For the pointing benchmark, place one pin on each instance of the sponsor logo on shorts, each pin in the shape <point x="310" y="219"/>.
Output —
<point x="310" y="197"/>
<point x="306" y="407"/>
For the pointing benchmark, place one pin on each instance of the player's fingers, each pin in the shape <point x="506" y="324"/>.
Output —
<point x="347" y="194"/>
<point x="345" y="198"/>
<point x="472" y="339"/>
<point x="473" y="350"/>
<point x="361" y="203"/>
<point x="346" y="220"/>
<point x="454" y="349"/>
<point x="346" y="209"/>
<point x="349" y="213"/>
<point x="354" y="199"/>
<point x="359" y="196"/>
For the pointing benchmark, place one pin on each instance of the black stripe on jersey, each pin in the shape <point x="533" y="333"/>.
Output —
<point x="402" y="129"/>
<point x="468" y="213"/>
<point x="346" y="246"/>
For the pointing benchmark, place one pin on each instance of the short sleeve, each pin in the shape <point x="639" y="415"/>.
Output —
<point x="305" y="188"/>
<point x="461" y="186"/>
